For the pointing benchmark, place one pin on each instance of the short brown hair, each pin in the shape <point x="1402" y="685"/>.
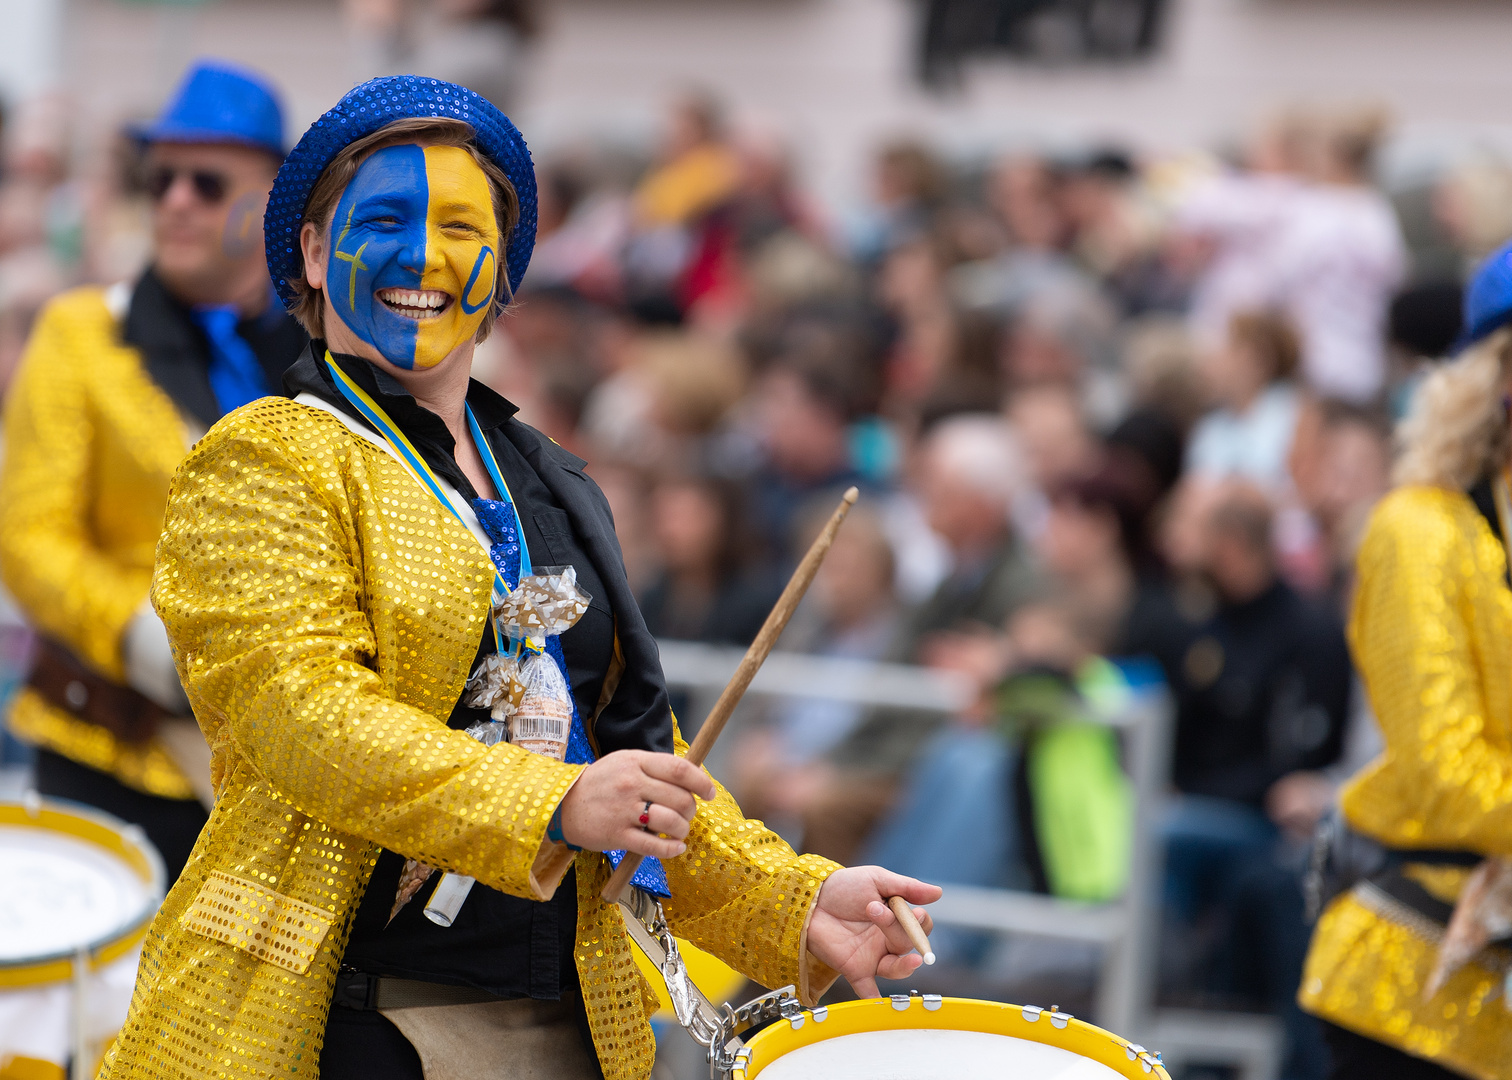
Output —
<point x="1272" y="337"/>
<point x="309" y="304"/>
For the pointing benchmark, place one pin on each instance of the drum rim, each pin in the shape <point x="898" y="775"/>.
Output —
<point x="121" y="838"/>
<point x="953" y="1014"/>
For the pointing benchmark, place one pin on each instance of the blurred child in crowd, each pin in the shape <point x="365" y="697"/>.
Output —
<point x="1249" y="430"/>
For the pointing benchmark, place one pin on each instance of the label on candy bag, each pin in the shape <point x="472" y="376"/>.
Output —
<point x="544" y="717"/>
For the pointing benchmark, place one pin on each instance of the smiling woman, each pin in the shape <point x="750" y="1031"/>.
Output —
<point x="336" y="576"/>
<point x="402" y="213"/>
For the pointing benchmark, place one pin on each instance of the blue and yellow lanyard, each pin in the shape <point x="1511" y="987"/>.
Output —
<point x="373" y="413"/>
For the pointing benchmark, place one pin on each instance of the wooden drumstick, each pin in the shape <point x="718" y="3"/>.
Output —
<point x="911" y="927"/>
<point x="755" y="656"/>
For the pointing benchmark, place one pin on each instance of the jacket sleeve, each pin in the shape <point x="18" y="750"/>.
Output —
<point x="741" y="893"/>
<point x="259" y="582"/>
<point x="69" y="588"/>
<point x="1444" y="780"/>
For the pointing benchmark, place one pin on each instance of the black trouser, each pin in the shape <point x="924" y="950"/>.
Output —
<point x="173" y="825"/>
<point x="363" y="1045"/>
<point x="1357" y="1058"/>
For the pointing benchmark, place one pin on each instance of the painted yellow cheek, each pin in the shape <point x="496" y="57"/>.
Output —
<point x="462" y="243"/>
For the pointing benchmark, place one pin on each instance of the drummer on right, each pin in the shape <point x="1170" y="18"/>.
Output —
<point x="1431" y="632"/>
<point x="114" y="387"/>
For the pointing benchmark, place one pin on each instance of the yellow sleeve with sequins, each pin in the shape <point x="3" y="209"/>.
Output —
<point x="741" y="893"/>
<point x="263" y="588"/>
<point x="69" y="587"/>
<point x="1428" y="635"/>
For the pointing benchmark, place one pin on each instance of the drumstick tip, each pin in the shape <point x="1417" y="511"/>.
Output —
<point x="929" y="958"/>
<point x="851" y="495"/>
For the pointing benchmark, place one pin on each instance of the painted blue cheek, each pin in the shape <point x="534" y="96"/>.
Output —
<point x="378" y="242"/>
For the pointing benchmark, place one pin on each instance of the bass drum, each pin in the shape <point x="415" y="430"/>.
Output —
<point x="77" y="891"/>
<point x="908" y="1037"/>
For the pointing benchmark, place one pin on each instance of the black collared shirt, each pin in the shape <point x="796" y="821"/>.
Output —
<point x="506" y="945"/>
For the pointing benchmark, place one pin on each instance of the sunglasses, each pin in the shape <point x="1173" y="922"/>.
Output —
<point x="211" y="187"/>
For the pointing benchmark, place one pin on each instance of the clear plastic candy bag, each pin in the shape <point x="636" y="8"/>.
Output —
<point x="545" y="603"/>
<point x="496" y="685"/>
<point x="544" y="719"/>
<point x="529" y="701"/>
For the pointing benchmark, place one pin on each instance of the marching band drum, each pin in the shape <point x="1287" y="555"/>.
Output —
<point x="928" y="1037"/>
<point x="77" y="890"/>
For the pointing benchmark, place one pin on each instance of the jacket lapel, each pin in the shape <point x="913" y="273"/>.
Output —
<point x="172" y="348"/>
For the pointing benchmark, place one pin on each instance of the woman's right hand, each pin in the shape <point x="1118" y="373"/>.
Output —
<point x="603" y="809"/>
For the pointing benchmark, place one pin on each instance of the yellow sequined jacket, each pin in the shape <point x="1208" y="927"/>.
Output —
<point x="91" y="443"/>
<point x="324" y="612"/>
<point x="1432" y="636"/>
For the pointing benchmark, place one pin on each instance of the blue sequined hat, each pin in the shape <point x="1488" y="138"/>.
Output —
<point x="361" y="112"/>
<point x="1488" y="298"/>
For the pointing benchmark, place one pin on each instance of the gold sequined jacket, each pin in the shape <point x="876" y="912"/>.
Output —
<point x="91" y="443"/>
<point x="324" y="611"/>
<point x="1431" y="632"/>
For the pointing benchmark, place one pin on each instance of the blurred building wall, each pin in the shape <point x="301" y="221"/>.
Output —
<point x="835" y="75"/>
<point x="839" y="73"/>
<point x="31" y="47"/>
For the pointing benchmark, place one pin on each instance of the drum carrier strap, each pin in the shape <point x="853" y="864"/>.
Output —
<point x="718" y="1030"/>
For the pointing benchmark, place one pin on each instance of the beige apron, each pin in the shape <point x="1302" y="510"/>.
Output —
<point x="497" y="1040"/>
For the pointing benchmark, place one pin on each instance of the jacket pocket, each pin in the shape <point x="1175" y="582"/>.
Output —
<point x="255" y="919"/>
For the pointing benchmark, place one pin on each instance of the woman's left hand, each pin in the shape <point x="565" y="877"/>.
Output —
<point x="855" y="932"/>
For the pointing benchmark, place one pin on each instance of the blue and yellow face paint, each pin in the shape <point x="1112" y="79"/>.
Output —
<point x="414" y="252"/>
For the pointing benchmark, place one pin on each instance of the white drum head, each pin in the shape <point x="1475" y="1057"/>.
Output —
<point x="59" y="893"/>
<point x="932" y="1055"/>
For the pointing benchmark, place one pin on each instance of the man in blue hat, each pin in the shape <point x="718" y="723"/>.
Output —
<point x="115" y="386"/>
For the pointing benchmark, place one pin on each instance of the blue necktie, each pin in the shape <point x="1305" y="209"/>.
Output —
<point x="235" y="375"/>
<point x="498" y="521"/>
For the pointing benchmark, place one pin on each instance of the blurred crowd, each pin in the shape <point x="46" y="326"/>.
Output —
<point x="1118" y="424"/>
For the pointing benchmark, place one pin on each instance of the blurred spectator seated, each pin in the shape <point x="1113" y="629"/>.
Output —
<point x="711" y="587"/>
<point x="1096" y="545"/>
<point x="968" y="479"/>
<point x="1026" y="791"/>
<point x="1249" y="430"/>
<point x="908" y="185"/>
<point x="1340" y="260"/>
<point x="851" y="613"/>
<point x="1261" y="679"/>
<point x="803" y="405"/>
<point x="696" y="170"/>
<point x="1340" y="464"/>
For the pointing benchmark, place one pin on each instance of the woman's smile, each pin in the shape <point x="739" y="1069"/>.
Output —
<point x="417" y="304"/>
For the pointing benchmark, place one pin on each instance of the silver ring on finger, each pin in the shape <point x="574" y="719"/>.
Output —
<point x="645" y="817"/>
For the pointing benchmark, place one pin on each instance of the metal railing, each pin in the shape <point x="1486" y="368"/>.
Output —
<point x="1127" y="929"/>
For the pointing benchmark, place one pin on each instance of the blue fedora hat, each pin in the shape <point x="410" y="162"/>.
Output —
<point x="1488" y="298"/>
<point x="376" y="104"/>
<point x="220" y="103"/>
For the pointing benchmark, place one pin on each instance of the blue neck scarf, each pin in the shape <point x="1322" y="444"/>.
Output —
<point x="235" y="375"/>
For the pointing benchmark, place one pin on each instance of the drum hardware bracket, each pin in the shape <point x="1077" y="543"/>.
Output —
<point x="901" y="1002"/>
<point x="730" y="1050"/>
<point x="1057" y="1018"/>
